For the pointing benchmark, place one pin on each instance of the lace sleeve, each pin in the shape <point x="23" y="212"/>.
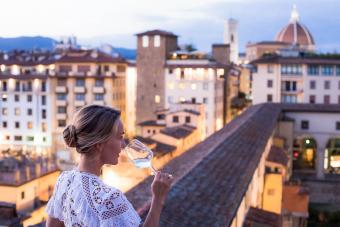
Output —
<point x="53" y="209"/>
<point x="110" y="204"/>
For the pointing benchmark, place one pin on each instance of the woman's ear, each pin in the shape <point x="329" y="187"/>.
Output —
<point x="98" y="147"/>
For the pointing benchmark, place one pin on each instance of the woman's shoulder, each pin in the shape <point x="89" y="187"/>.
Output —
<point x="106" y="201"/>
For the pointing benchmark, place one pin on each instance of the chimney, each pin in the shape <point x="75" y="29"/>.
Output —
<point x="221" y="53"/>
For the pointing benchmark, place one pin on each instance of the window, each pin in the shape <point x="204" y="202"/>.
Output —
<point x="145" y="41"/>
<point x="337" y="125"/>
<point x="61" y="123"/>
<point x="4" y="85"/>
<point x="61" y="97"/>
<point x="157" y="99"/>
<point x="304" y="124"/>
<point x="29" y="125"/>
<point x="205" y="100"/>
<point x="193" y="86"/>
<point x="17" y="111"/>
<point x="291" y="69"/>
<point x="338" y="70"/>
<point x="313" y="69"/>
<point x="327" y="85"/>
<point x="289" y="86"/>
<point x="43" y="114"/>
<point x="182" y="74"/>
<point x="149" y="131"/>
<point x="7" y="137"/>
<point x="61" y="109"/>
<point x="83" y="68"/>
<point x="157" y="41"/>
<point x="327" y="70"/>
<point x="4" y="97"/>
<point x="270" y="68"/>
<point x="271" y="191"/>
<point x="17" y="86"/>
<point x="170" y="99"/>
<point x="43" y="127"/>
<point x="99" y="83"/>
<point x="99" y="97"/>
<point x="29" y="98"/>
<point x="30" y="138"/>
<point x="29" y="112"/>
<point x="44" y="139"/>
<point x="43" y="100"/>
<point x="289" y="98"/>
<point x="269" y="83"/>
<point x="43" y="86"/>
<point x="80" y="97"/>
<point x="106" y="68"/>
<point x="22" y="195"/>
<point x="269" y="98"/>
<point x="80" y="82"/>
<point x="187" y="119"/>
<point x="193" y="100"/>
<point x="312" y="99"/>
<point x="312" y="84"/>
<point x="170" y="71"/>
<point x="18" y="138"/>
<point x="16" y="98"/>
<point x="175" y="119"/>
<point x="326" y="99"/>
<point x="181" y="85"/>
<point x="4" y="124"/>
<point x="4" y="111"/>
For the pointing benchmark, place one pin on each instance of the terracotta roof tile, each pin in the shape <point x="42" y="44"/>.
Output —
<point x="258" y="217"/>
<point x="278" y="155"/>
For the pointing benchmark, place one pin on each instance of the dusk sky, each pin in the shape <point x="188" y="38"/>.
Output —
<point x="196" y="21"/>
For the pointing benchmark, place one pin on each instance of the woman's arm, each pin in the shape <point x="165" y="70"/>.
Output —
<point x="160" y="188"/>
<point x="54" y="222"/>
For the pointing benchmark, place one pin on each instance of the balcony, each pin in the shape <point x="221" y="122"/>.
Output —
<point x="61" y="102"/>
<point x="98" y="90"/>
<point x="61" y="89"/>
<point x="61" y="116"/>
<point x="79" y="103"/>
<point x="79" y="89"/>
<point x="292" y="92"/>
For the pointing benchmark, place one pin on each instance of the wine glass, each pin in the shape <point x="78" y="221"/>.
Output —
<point x="140" y="155"/>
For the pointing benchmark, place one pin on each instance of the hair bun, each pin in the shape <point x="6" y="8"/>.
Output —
<point x="70" y="136"/>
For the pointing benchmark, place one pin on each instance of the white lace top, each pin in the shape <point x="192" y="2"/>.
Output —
<point x="83" y="199"/>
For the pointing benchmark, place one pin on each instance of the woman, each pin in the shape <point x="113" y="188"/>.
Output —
<point x="80" y="198"/>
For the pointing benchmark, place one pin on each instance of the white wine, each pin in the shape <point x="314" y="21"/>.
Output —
<point x="142" y="162"/>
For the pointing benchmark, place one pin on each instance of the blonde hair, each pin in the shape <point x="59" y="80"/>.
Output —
<point x="92" y="124"/>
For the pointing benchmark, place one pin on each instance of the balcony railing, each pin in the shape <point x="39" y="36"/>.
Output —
<point x="61" y="89"/>
<point x="79" y="89"/>
<point x="98" y="90"/>
<point x="61" y="102"/>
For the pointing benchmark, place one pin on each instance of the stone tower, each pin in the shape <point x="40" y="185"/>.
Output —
<point x="231" y="38"/>
<point x="153" y="48"/>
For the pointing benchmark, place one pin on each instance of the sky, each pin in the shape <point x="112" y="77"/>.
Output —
<point x="200" y="22"/>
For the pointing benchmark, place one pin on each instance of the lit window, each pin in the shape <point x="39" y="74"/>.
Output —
<point x="157" y="99"/>
<point x="4" y="98"/>
<point x="181" y="85"/>
<point x="29" y="125"/>
<point x="171" y="85"/>
<point x="181" y="99"/>
<point x="145" y="41"/>
<point x="43" y="127"/>
<point x="193" y="86"/>
<point x="17" y="111"/>
<point x="18" y="138"/>
<point x="157" y="41"/>
<point x="4" y="111"/>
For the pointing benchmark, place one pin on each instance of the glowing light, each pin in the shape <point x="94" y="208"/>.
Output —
<point x="15" y="70"/>
<point x="2" y="68"/>
<point x="294" y="17"/>
<point x="307" y="141"/>
<point x="40" y="68"/>
<point x="193" y="86"/>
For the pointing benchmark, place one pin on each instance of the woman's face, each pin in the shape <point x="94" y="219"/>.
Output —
<point x="112" y="147"/>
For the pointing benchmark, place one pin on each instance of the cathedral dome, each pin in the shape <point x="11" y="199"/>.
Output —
<point x="296" y="33"/>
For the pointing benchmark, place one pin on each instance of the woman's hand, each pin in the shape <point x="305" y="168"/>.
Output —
<point x="161" y="186"/>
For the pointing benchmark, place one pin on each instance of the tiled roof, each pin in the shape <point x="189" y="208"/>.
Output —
<point x="278" y="155"/>
<point x="258" y="217"/>
<point x="88" y="56"/>
<point x="295" y="200"/>
<point x="27" y="58"/>
<point x="212" y="178"/>
<point x="162" y="148"/>
<point x="178" y="132"/>
<point x="145" y="140"/>
<point x="187" y="111"/>
<point x="151" y="123"/>
<point x="157" y="32"/>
